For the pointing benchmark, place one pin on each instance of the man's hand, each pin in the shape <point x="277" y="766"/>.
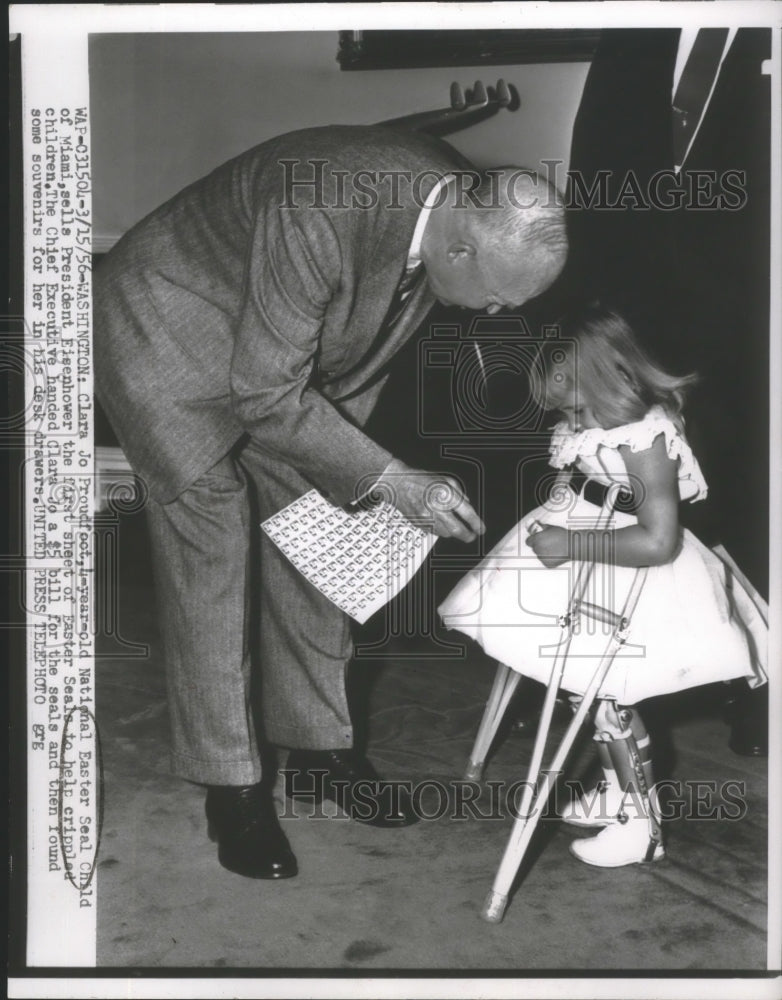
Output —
<point x="549" y="543"/>
<point x="430" y="497"/>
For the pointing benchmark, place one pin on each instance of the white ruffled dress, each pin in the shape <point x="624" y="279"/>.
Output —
<point x="694" y="623"/>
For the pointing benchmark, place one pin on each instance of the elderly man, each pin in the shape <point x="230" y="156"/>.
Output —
<point x="243" y="332"/>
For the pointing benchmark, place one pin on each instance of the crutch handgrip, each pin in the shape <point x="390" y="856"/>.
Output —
<point x="598" y="613"/>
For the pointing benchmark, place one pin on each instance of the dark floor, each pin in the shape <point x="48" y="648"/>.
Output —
<point x="369" y="899"/>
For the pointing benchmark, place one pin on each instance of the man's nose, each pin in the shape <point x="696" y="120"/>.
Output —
<point x="491" y="310"/>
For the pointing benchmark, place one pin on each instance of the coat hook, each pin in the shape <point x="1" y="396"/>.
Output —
<point x="503" y="94"/>
<point x="478" y="95"/>
<point x="458" y="100"/>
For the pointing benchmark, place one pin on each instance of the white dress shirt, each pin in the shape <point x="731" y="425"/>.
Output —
<point x="686" y="42"/>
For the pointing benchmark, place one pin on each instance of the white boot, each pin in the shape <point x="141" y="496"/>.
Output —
<point x="598" y="807"/>
<point x="625" y="843"/>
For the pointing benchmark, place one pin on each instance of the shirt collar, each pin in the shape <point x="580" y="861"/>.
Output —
<point x="414" y="253"/>
<point x="686" y="42"/>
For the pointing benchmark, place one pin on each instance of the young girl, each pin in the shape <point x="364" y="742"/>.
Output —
<point x="693" y="624"/>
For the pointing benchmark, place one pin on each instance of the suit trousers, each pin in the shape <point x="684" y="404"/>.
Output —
<point x="246" y="638"/>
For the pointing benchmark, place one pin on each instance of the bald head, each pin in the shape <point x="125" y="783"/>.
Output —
<point x="520" y="211"/>
<point x="497" y="245"/>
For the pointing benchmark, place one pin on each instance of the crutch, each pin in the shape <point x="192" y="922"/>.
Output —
<point x="525" y="823"/>
<point x="506" y="680"/>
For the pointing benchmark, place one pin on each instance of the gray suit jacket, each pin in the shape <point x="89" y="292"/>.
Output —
<point x="250" y="304"/>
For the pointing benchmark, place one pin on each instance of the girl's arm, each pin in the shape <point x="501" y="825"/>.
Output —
<point x="654" y="540"/>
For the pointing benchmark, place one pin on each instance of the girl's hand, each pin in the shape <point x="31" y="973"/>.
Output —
<point x="549" y="543"/>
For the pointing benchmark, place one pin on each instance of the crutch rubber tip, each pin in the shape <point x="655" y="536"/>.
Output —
<point x="473" y="772"/>
<point x="494" y="908"/>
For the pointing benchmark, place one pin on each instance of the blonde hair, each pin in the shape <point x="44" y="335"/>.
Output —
<point x="598" y="355"/>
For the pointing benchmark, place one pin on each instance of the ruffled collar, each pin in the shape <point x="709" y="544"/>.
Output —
<point x="568" y="446"/>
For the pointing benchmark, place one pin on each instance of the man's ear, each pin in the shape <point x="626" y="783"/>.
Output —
<point x="461" y="250"/>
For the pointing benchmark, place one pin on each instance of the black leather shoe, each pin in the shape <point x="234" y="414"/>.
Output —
<point x="348" y="778"/>
<point x="250" y="842"/>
